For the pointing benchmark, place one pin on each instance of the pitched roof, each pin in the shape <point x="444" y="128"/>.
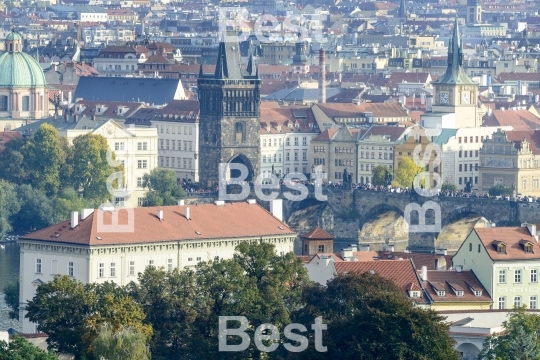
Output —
<point x="532" y="136"/>
<point x="512" y="237"/>
<point x="402" y="273"/>
<point x="352" y="110"/>
<point x="326" y="135"/>
<point x="392" y="132"/>
<point x="406" y="77"/>
<point x="6" y="136"/>
<point x="503" y="77"/>
<point x="452" y="281"/>
<point x="207" y="221"/>
<point x="518" y="119"/>
<point x="288" y="118"/>
<point x="318" y="234"/>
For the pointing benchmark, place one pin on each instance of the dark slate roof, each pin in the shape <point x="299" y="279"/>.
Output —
<point x="60" y="124"/>
<point x="148" y="90"/>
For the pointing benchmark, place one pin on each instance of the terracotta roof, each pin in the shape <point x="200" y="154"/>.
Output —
<point x="326" y="135"/>
<point x="532" y="136"/>
<point x="157" y="59"/>
<point x="405" y="77"/>
<point x="6" y="136"/>
<point x="207" y="221"/>
<point x="352" y="110"/>
<point x="318" y="234"/>
<point x="511" y="236"/>
<point x="452" y="281"/>
<point x="393" y="132"/>
<point x="287" y="118"/>
<point x="518" y="119"/>
<point x="402" y="273"/>
<point x="519" y="76"/>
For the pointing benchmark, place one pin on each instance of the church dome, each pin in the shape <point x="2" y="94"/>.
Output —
<point x="18" y="69"/>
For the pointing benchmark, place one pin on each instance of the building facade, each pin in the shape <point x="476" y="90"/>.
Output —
<point x="94" y="248"/>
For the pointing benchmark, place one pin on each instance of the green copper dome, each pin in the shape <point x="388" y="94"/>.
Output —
<point x="13" y="36"/>
<point x="20" y="70"/>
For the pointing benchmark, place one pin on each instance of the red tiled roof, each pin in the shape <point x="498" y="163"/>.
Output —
<point x="207" y="221"/>
<point x="448" y="281"/>
<point x="6" y="136"/>
<point x="402" y="273"/>
<point x="318" y="234"/>
<point x="518" y="119"/>
<point x="405" y="77"/>
<point x="511" y="236"/>
<point x="274" y="116"/>
<point x="326" y="135"/>
<point x="532" y="136"/>
<point x="352" y="110"/>
<point x="519" y="76"/>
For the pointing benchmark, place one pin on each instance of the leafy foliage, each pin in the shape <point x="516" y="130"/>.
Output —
<point x="448" y="187"/>
<point x="162" y="188"/>
<point x="518" y="341"/>
<point x="406" y="172"/>
<point x="19" y="348"/>
<point x="369" y="317"/>
<point x="379" y="173"/>
<point x="9" y="205"/>
<point x="36" y="209"/>
<point x="11" y="296"/>
<point x="125" y="344"/>
<point x="12" y="162"/>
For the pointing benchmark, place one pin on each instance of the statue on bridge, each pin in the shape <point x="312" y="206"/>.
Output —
<point x="347" y="180"/>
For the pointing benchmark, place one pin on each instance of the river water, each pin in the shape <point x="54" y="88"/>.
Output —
<point x="9" y="271"/>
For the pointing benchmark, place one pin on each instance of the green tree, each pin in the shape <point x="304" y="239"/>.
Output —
<point x="406" y="172"/>
<point x="67" y="201"/>
<point x="21" y="349"/>
<point x="12" y="162"/>
<point x="125" y="344"/>
<point x="448" y="187"/>
<point x="518" y="341"/>
<point x="9" y="205"/>
<point x="36" y="209"/>
<point x="11" y="296"/>
<point x="500" y="190"/>
<point x="90" y="167"/>
<point x="369" y="317"/>
<point x="43" y="158"/>
<point x="162" y="188"/>
<point x="379" y="173"/>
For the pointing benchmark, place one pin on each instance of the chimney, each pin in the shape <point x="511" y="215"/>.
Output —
<point x="187" y="213"/>
<point x="219" y="203"/>
<point x="69" y="97"/>
<point x="532" y="229"/>
<point x="490" y="111"/>
<point x="322" y="76"/>
<point x="93" y="117"/>
<point x="276" y="208"/>
<point x="325" y="261"/>
<point x="440" y="263"/>
<point x="74" y="219"/>
<point x="424" y="273"/>
<point x="86" y="213"/>
<point x="181" y="203"/>
<point x="429" y="103"/>
<point x="75" y="118"/>
<point x="160" y="215"/>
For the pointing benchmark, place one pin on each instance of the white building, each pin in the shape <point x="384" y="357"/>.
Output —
<point x="117" y="244"/>
<point x="177" y="127"/>
<point x="460" y="153"/>
<point x="92" y="13"/>
<point x="286" y="133"/>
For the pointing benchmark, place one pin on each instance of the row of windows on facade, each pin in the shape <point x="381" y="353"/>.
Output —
<point x="25" y="103"/>
<point x="385" y="156"/>
<point x="268" y="158"/>
<point x="533" y="302"/>
<point x="120" y="146"/>
<point x="370" y="167"/>
<point x="470" y="152"/>
<point x="141" y="164"/>
<point x="171" y="145"/>
<point x="518" y="274"/>
<point x="463" y="167"/>
<point x="188" y="130"/>
<point x="470" y="138"/>
<point x="464" y="180"/>
<point x="116" y="68"/>
<point x="181" y="163"/>
<point x="278" y="142"/>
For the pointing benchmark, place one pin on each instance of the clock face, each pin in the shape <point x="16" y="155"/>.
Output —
<point x="466" y="97"/>
<point x="444" y="98"/>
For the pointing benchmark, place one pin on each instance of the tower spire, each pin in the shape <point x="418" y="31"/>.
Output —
<point x="402" y="10"/>
<point x="457" y="52"/>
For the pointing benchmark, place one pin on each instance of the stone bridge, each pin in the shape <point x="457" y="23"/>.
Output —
<point x="347" y="214"/>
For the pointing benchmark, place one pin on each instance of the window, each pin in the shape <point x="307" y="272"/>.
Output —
<point x="216" y="258"/>
<point x="528" y="248"/>
<point x="141" y="164"/>
<point x="479" y="247"/>
<point x="321" y="248"/>
<point x="38" y="266"/>
<point x="533" y="302"/>
<point x="142" y="146"/>
<point x="132" y="268"/>
<point x="517" y="276"/>
<point x="296" y="141"/>
<point x="150" y="262"/>
<point x="190" y="259"/>
<point x="304" y="141"/>
<point x="118" y="146"/>
<point x="470" y="246"/>
<point x="517" y="301"/>
<point x="26" y="103"/>
<point x="502" y="276"/>
<point x="70" y="268"/>
<point x="139" y="181"/>
<point x="140" y="201"/>
<point x="169" y="265"/>
<point x="3" y="103"/>
<point x="113" y="269"/>
<point x="534" y="275"/>
<point x="502" y="302"/>
<point x="440" y="293"/>
<point x="198" y="258"/>
<point x="120" y="202"/>
<point x="101" y="270"/>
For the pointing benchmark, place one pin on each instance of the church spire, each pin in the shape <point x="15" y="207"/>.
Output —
<point x="402" y="14"/>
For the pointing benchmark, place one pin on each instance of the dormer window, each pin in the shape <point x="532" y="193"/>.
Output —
<point x="527" y="246"/>
<point x="441" y="293"/>
<point x="459" y="293"/>
<point x="414" y="294"/>
<point x="478" y="293"/>
<point x="500" y="246"/>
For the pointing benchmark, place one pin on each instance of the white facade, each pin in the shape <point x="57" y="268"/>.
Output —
<point x="116" y="66"/>
<point x="272" y="154"/>
<point x="136" y="148"/>
<point x="460" y="155"/>
<point x="438" y="120"/>
<point x="296" y="151"/>
<point x="179" y="146"/>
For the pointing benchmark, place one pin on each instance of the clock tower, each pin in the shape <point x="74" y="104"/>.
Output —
<point x="455" y="92"/>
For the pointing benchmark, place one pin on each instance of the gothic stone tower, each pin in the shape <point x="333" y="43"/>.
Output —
<point x="229" y="116"/>
<point x="455" y="92"/>
<point x="474" y="12"/>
